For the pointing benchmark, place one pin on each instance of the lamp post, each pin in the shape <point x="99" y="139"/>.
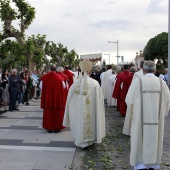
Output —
<point x="169" y="44"/>
<point x="117" y="42"/>
<point x="109" y="56"/>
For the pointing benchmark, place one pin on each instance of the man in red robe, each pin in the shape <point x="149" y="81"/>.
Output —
<point x="52" y="100"/>
<point x="65" y="77"/>
<point x="70" y="75"/>
<point x="125" y="87"/>
<point x="117" y="89"/>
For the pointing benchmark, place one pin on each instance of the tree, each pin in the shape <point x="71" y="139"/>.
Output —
<point x="10" y="54"/>
<point x="157" y="48"/>
<point x="60" y="54"/>
<point x="24" y="14"/>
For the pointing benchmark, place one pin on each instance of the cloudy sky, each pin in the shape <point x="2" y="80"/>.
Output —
<point x="88" y="25"/>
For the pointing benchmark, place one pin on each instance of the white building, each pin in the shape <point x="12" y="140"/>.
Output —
<point x="139" y="57"/>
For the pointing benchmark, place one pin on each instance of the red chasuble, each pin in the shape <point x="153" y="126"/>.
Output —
<point x="117" y="89"/>
<point x="52" y="101"/>
<point x="66" y="88"/>
<point x="70" y="76"/>
<point x="126" y="84"/>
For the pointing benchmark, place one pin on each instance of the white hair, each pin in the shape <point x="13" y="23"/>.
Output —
<point x="14" y="70"/>
<point x="149" y="66"/>
<point x="60" y="69"/>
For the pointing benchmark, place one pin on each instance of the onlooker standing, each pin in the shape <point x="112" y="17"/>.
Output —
<point x="14" y="89"/>
<point x="29" y="86"/>
<point x="158" y="74"/>
<point x="148" y="102"/>
<point x="22" y="89"/>
<point x="166" y="75"/>
<point x="5" y="93"/>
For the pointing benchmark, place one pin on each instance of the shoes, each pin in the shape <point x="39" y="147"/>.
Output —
<point x="49" y="131"/>
<point x="27" y="103"/>
<point x="11" y="110"/>
<point x="20" y="104"/>
<point x="15" y="109"/>
<point x="57" y="131"/>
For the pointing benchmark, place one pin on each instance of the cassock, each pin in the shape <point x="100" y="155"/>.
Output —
<point x="85" y="114"/>
<point x="125" y="86"/>
<point x="70" y="76"/>
<point x="138" y="74"/>
<point x="103" y="84"/>
<point x="148" y="102"/>
<point x="111" y="83"/>
<point x="117" y="89"/>
<point x="108" y="73"/>
<point x="52" y="101"/>
<point x="66" y="88"/>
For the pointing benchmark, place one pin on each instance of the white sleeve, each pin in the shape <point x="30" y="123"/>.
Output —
<point x="41" y="85"/>
<point x="64" y="85"/>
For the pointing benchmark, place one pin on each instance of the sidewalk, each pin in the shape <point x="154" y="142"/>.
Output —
<point x="24" y="145"/>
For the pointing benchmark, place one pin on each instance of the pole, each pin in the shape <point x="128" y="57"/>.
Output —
<point x="169" y="44"/>
<point x="117" y="53"/>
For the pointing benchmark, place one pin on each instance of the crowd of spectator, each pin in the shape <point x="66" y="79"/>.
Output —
<point x="19" y="88"/>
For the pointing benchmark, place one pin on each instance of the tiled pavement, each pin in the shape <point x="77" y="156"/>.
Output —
<point x="24" y="145"/>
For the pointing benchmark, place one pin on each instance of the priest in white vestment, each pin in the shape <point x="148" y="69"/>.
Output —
<point x="105" y="80"/>
<point x="148" y="102"/>
<point x="103" y="84"/>
<point x="112" y="79"/>
<point x="140" y="72"/>
<point x="85" y="111"/>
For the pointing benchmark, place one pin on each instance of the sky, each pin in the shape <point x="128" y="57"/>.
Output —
<point x="88" y="25"/>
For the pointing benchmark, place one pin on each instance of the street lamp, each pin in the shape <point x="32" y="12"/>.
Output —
<point x="109" y="56"/>
<point x="117" y="42"/>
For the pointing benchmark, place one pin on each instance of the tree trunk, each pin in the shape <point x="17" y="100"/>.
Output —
<point x="47" y="64"/>
<point x="32" y="65"/>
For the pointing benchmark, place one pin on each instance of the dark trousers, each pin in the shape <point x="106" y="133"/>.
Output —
<point x="13" y="95"/>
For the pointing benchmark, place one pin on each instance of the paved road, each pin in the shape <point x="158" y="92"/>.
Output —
<point x="24" y="145"/>
<point x="113" y="153"/>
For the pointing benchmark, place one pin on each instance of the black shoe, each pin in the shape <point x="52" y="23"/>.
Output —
<point x="15" y="109"/>
<point x="57" y="131"/>
<point x="27" y="103"/>
<point x="49" y="131"/>
<point x="11" y="110"/>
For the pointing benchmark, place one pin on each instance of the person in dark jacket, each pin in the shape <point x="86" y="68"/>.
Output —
<point x="14" y="82"/>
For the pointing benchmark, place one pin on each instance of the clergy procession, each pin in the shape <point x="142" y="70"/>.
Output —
<point x="78" y="102"/>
